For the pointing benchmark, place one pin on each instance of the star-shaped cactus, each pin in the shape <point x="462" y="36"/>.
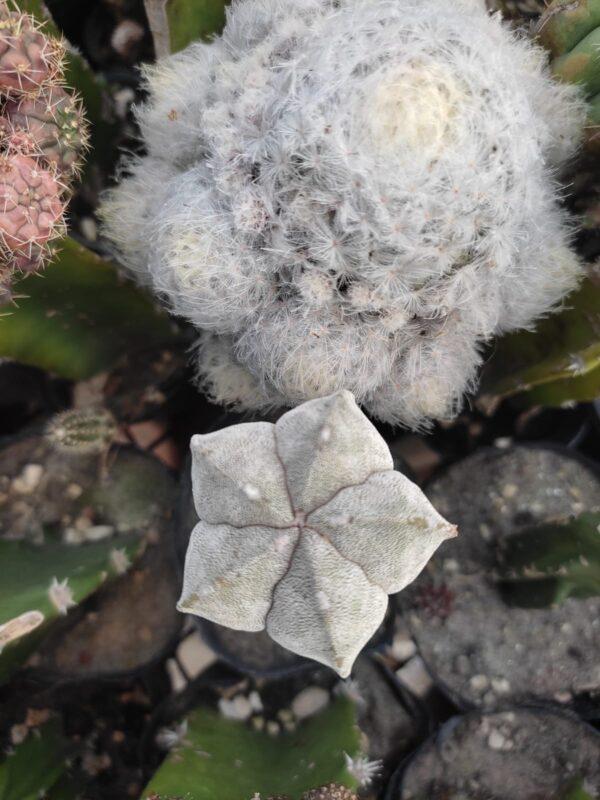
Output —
<point x="305" y="529"/>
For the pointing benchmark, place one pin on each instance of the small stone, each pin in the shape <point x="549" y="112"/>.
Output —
<point x="403" y="648"/>
<point x="496" y="740"/>
<point x="415" y="677"/>
<point x="510" y="490"/>
<point x="238" y="708"/>
<point x="94" y="533"/>
<point x="309" y="702"/>
<point x="73" y="491"/>
<point x="29" y="479"/>
<point x="501" y="685"/>
<point x="273" y="728"/>
<point x="479" y="683"/>
<point x="255" y="701"/>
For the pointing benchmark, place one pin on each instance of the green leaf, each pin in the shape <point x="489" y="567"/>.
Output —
<point x="28" y="571"/>
<point x="564" y="347"/>
<point x="550" y="563"/>
<point x="80" y="316"/>
<point x="194" y="19"/>
<point x="36" y="764"/>
<point x="582" y="389"/>
<point x="219" y="758"/>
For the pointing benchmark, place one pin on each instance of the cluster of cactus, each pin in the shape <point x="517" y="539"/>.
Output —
<point x="352" y="195"/>
<point x="43" y="135"/>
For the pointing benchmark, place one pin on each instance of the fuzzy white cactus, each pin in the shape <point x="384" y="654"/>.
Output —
<point x="305" y="529"/>
<point x="351" y="194"/>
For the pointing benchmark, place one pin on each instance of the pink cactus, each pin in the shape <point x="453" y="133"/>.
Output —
<point x="31" y="213"/>
<point x="29" y="60"/>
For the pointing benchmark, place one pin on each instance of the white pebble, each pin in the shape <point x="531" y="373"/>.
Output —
<point x="309" y="702"/>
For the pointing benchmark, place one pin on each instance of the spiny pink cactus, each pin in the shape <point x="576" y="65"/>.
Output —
<point x="43" y="134"/>
<point x="55" y="125"/>
<point x="31" y="211"/>
<point x="29" y="59"/>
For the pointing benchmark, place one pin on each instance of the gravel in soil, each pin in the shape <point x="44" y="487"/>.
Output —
<point x="483" y="651"/>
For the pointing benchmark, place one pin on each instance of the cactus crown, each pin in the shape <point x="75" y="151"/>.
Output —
<point x="351" y="195"/>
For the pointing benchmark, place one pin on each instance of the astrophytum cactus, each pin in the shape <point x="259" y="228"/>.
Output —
<point x="305" y="528"/>
<point x="352" y="194"/>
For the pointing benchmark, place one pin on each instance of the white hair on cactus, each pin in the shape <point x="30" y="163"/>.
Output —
<point x="352" y="194"/>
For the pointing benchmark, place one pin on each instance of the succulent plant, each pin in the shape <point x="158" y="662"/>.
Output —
<point x="305" y="529"/>
<point x="29" y="59"/>
<point x="55" y="125"/>
<point x="42" y="136"/>
<point x="351" y="196"/>
<point x="82" y="432"/>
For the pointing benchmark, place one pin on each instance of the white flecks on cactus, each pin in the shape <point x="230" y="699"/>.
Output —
<point x="119" y="560"/>
<point x="60" y="595"/>
<point x="351" y="194"/>
<point x="331" y="530"/>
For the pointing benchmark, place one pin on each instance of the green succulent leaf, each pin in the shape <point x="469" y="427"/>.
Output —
<point x="219" y="758"/>
<point x="548" y="564"/>
<point x="194" y="19"/>
<point x="581" y="65"/>
<point x="564" y="348"/>
<point x="30" y="599"/>
<point x="79" y="317"/>
<point x="36" y="764"/>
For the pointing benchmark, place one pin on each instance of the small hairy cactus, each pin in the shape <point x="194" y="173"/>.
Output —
<point x="351" y="194"/>
<point x="82" y="432"/>
<point x="42" y="136"/>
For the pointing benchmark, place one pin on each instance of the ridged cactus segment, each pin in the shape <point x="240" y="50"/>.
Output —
<point x="219" y="758"/>
<point x="305" y="529"/>
<point x="565" y="23"/>
<point x="82" y="432"/>
<point x="29" y="59"/>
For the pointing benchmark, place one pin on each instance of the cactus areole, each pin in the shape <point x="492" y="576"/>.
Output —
<point x="305" y="529"/>
<point x="352" y="194"/>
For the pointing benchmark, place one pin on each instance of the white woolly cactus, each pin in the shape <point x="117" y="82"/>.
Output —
<point x="351" y="194"/>
<point x="305" y="529"/>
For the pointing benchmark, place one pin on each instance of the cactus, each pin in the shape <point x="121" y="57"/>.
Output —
<point x="42" y="136"/>
<point x="305" y="529"/>
<point x="571" y="31"/>
<point x="31" y="212"/>
<point x="41" y="583"/>
<point x="82" y="432"/>
<point x="29" y="59"/>
<point x="549" y="564"/>
<point x="225" y="759"/>
<point x="55" y="124"/>
<point x="363" y="216"/>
